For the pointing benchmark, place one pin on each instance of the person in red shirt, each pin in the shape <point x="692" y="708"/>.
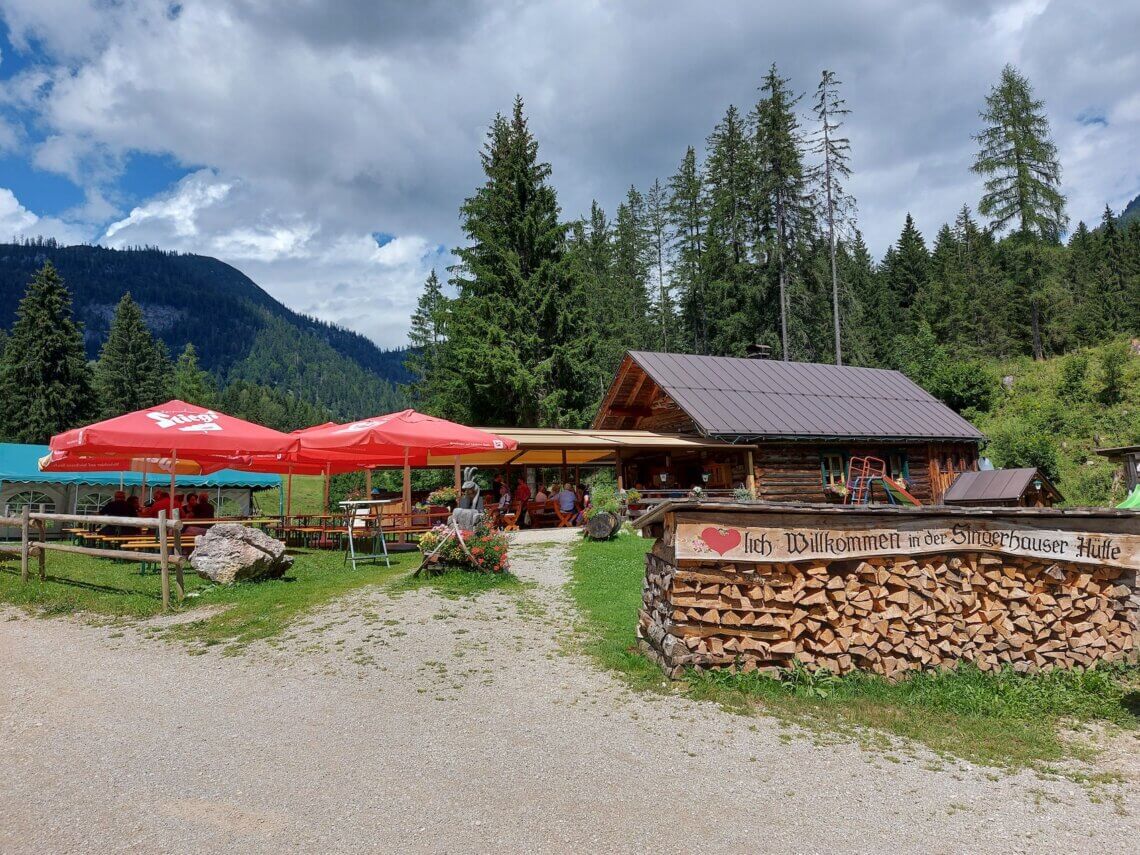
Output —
<point x="522" y="492"/>
<point x="161" y="503"/>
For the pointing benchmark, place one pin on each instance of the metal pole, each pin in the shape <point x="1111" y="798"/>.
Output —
<point x="289" y="493"/>
<point x="179" y="583"/>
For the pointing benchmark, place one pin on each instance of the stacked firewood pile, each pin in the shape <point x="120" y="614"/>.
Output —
<point x="888" y="615"/>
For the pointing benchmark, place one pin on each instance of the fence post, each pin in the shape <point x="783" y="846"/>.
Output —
<point x="179" y="583"/>
<point x="25" y="519"/>
<point x="41" y="557"/>
<point x="164" y="560"/>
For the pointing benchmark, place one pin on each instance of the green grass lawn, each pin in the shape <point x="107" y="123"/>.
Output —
<point x="251" y="611"/>
<point x="308" y="494"/>
<point x="1003" y="719"/>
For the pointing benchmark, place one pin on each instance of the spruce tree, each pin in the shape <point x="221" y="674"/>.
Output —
<point x="781" y="199"/>
<point x="732" y="303"/>
<point x="630" y="277"/>
<point x="426" y="340"/>
<point x="190" y="383"/>
<point x="688" y="216"/>
<point x="831" y="174"/>
<point x="133" y="370"/>
<point x="520" y="341"/>
<point x="45" y="384"/>
<point x="905" y="271"/>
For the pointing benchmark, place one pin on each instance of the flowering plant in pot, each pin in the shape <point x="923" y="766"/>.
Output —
<point x="482" y="550"/>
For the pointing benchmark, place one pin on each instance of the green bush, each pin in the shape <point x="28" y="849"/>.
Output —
<point x="1015" y="444"/>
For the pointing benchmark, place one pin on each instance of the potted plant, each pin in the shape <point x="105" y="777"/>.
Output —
<point x="443" y="497"/>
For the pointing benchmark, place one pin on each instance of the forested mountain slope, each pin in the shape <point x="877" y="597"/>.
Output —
<point x="239" y="330"/>
<point x="1056" y="412"/>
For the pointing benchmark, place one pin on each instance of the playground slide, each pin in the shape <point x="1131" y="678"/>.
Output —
<point x="1133" y="499"/>
<point x="899" y="493"/>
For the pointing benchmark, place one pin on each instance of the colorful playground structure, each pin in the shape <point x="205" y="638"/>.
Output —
<point x="864" y="474"/>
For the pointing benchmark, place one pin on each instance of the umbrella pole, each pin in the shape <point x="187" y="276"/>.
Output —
<point x="458" y="476"/>
<point x="327" y="479"/>
<point x="143" y="497"/>
<point x="289" y="493"/>
<point x="407" y="484"/>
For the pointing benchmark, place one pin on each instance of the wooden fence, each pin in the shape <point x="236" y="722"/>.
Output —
<point x="169" y="537"/>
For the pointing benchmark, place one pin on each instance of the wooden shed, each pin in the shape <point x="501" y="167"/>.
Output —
<point x="1003" y="488"/>
<point x="805" y="420"/>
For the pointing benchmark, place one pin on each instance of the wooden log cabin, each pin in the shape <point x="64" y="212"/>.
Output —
<point x="803" y="421"/>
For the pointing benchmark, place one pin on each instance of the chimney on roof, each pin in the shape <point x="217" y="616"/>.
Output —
<point x="759" y="351"/>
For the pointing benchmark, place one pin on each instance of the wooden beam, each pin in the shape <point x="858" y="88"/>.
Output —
<point x="751" y="475"/>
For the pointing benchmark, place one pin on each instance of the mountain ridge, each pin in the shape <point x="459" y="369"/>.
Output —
<point x="240" y="331"/>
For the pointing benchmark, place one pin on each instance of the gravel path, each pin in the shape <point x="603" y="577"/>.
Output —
<point x="419" y="723"/>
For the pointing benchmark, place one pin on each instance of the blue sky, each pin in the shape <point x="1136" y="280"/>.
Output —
<point x="324" y="149"/>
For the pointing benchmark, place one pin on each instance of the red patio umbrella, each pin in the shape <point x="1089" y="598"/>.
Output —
<point x="405" y="437"/>
<point x="175" y="432"/>
<point x="175" y="429"/>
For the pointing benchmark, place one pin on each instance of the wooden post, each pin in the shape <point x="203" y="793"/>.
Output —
<point x="164" y="560"/>
<point x="289" y="494"/>
<point x="325" y="496"/>
<point x="458" y="476"/>
<point x="563" y="473"/>
<point x="25" y="520"/>
<point x="750" y="475"/>
<point x="619" y="475"/>
<point x="368" y="483"/>
<point x="41" y="557"/>
<point x="179" y="582"/>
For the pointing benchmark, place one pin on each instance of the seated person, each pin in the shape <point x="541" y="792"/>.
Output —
<point x="117" y="507"/>
<point x="541" y="496"/>
<point x="504" y="498"/>
<point x="135" y="505"/>
<point x="203" y="508"/>
<point x="189" y="508"/>
<point x="161" y="503"/>
<point x="566" y="499"/>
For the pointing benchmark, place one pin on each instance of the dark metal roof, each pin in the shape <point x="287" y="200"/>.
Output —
<point x="754" y="398"/>
<point x="994" y="485"/>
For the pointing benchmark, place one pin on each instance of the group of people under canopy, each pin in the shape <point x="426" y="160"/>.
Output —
<point x="566" y="497"/>
<point x="195" y="506"/>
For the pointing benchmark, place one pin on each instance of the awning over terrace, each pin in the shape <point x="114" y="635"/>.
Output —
<point x="547" y="447"/>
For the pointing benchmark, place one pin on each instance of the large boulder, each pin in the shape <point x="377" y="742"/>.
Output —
<point x="235" y="553"/>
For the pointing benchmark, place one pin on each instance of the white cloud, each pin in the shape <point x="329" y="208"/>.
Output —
<point x="16" y="221"/>
<point x="318" y="124"/>
<point x="342" y="277"/>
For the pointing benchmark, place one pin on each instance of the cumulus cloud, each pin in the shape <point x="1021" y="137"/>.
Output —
<point x="318" y="125"/>
<point x="17" y="222"/>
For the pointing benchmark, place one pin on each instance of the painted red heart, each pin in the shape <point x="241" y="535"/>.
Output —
<point x="721" y="540"/>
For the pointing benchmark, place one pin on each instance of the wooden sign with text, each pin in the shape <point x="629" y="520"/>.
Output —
<point x="830" y="540"/>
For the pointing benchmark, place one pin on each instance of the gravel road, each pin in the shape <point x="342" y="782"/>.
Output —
<point x="419" y="723"/>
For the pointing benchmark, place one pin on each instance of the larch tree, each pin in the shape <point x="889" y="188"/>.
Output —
<point x="133" y="370"/>
<point x="45" y="384"/>
<point x="630" y="276"/>
<point x="1018" y="158"/>
<point x="782" y="204"/>
<point x="831" y="174"/>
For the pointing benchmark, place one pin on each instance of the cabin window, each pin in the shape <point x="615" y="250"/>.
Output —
<point x="897" y="466"/>
<point x="834" y="469"/>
